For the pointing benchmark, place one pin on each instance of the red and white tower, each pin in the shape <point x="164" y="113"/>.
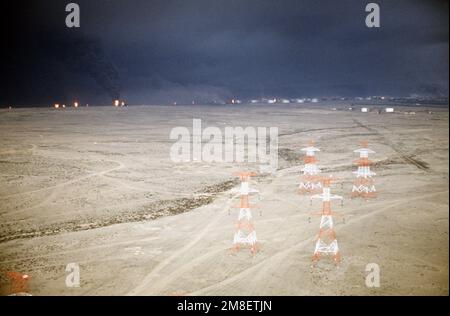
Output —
<point x="245" y="232"/>
<point x="363" y="185"/>
<point x="19" y="283"/>
<point x="326" y="243"/>
<point x="310" y="180"/>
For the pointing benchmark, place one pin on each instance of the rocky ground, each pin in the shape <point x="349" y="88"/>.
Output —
<point x="96" y="187"/>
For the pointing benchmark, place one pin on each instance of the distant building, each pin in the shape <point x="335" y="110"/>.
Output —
<point x="233" y="101"/>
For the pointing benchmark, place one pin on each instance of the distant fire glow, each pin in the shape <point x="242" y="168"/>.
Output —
<point x="118" y="103"/>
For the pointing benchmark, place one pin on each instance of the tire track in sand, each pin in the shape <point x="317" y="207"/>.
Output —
<point x="154" y="272"/>
<point x="62" y="184"/>
<point x="158" y="286"/>
<point x="421" y="165"/>
<point x="275" y="260"/>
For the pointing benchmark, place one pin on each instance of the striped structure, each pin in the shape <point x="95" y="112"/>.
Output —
<point x="245" y="234"/>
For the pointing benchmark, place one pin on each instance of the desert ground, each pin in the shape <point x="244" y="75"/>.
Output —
<point x="96" y="186"/>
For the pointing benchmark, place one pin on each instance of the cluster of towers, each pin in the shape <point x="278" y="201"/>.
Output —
<point x="363" y="185"/>
<point x="318" y="187"/>
<point x="311" y="182"/>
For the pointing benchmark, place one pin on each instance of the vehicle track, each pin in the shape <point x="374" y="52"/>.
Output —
<point x="301" y="131"/>
<point x="65" y="183"/>
<point x="148" y="278"/>
<point x="275" y="260"/>
<point x="421" y="165"/>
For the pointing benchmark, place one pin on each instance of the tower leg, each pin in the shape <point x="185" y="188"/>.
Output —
<point x="337" y="258"/>
<point x="235" y="248"/>
<point x="315" y="258"/>
<point x="255" y="248"/>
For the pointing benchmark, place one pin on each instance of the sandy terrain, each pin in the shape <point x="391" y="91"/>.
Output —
<point x="96" y="187"/>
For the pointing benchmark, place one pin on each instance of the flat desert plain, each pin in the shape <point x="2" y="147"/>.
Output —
<point x="96" y="187"/>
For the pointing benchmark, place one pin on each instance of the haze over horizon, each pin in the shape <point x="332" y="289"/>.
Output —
<point x="178" y="51"/>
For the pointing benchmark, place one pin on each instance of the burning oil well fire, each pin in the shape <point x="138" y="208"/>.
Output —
<point x="76" y="104"/>
<point x="86" y="56"/>
<point x="118" y="103"/>
<point x="91" y="59"/>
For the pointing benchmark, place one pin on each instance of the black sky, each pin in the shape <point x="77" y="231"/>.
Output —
<point x="166" y="51"/>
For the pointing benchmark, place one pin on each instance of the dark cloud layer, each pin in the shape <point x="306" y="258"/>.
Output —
<point x="165" y="51"/>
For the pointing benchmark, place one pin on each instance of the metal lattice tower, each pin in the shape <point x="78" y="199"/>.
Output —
<point x="363" y="185"/>
<point x="19" y="283"/>
<point x="326" y="243"/>
<point x="245" y="232"/>
<point x="310" y="180"/>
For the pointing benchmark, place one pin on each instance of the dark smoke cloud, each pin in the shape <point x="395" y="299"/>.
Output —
<point x="157" y="89"/>
<point x="178" y="50"/>
<point x="45" y="62"/>
<point x="63" y="68"/>
<point x="87" y="56"/>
